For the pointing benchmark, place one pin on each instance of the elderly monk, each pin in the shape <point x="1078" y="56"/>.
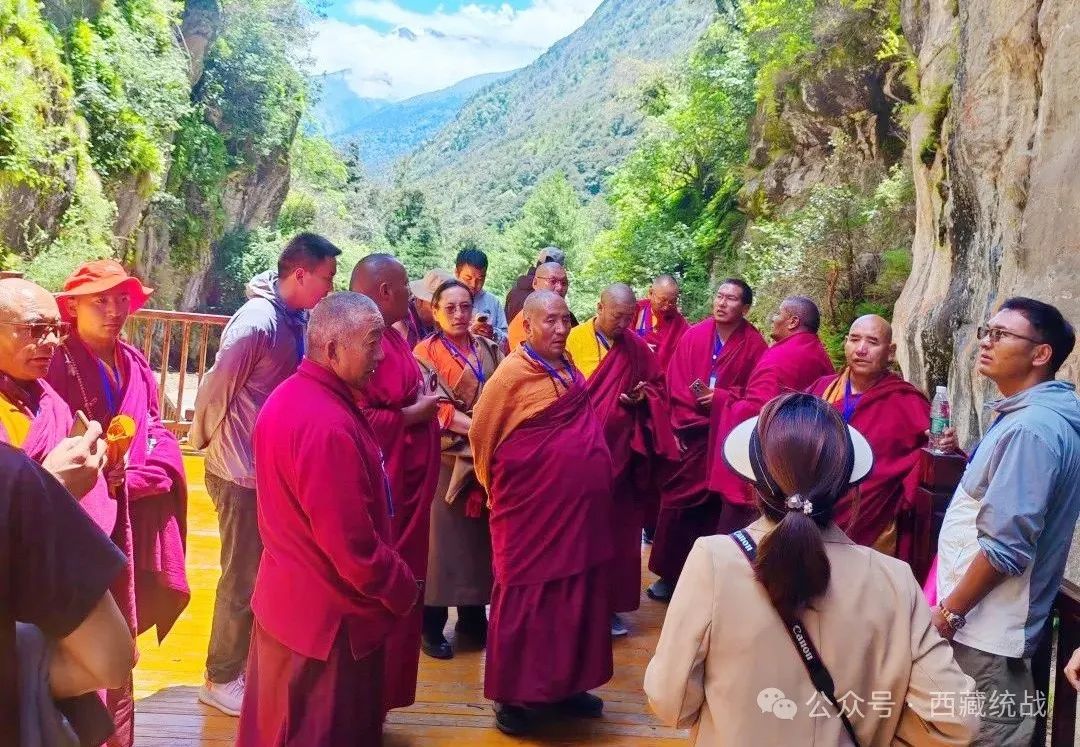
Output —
<point x="714" y="359"/>
<point x="96" y="372"/>
<point x="331" y="587"/>
<point x="401" y="409"/>
<point x="659" y="321"/>
<point x="549" y="276"/>
<point x="893" y="416"/>
<point x="459" y="556"/>
<point x="795" y="361"/>
<point x="549" y="640"/>
<point x="625" y="387"/>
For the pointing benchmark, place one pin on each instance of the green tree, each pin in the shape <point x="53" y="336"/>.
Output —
<point x="412" y="231"/>
<point x="552" y="216"/>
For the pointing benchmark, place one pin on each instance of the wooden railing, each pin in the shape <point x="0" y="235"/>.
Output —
<point x="939" y="477"/>
<point x="154" y="332"/>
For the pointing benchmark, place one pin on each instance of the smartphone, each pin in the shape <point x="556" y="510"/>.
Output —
<point x="482" y="318"/>
<point x="80" y="426"/>
<point x="433" y="382"/>
<point x="697" y="386"/>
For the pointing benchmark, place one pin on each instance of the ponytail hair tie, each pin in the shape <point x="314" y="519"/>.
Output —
<point x="796" y="503"/>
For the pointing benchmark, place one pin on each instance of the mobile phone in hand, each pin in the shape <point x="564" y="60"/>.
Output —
<point x="433" y="382"/>
<point x="482" y="319"/>
<point x="697" y="386"/>
<point x="80" y="426"/>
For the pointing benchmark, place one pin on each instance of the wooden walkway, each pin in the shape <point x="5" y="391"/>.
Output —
<point x="450" y="709"/>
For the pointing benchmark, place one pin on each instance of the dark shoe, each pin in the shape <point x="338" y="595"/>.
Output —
<point x="660" y="590"/>
<point x="583" y="705"/>
<point x="474" y="632"/>
<point x="512" y="720"/>
<point x="437" y="649"/>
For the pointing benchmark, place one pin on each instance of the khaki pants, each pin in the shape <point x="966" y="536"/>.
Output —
<point x="1008" y="701"/>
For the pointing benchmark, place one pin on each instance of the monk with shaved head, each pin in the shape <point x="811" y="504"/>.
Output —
<point x="331" y="587"/>
<point x="893" y="415"/>
<point x="539" y="450"/>
<point x="400" y="404"/>
<point x="659" y="321"/>
<point x="549" y="276"/>
<point x="625" y="385"/>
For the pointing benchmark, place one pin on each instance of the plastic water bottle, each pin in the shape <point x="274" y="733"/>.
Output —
<point x="939" y="419"/>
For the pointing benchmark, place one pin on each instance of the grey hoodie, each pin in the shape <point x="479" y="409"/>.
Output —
<point x="261" y="346"/>
<point x="1018" y="502"/>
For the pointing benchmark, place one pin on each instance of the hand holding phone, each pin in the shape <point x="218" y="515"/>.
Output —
<point x="698" y="388"/>
<point x="80" y="426"/>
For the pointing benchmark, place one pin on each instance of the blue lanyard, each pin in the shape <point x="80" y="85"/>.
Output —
<point x="646" y="314"/>
<point x="106" y="382"/>
<point x="717" y="348"/>
<point x="601" y="339"/>
<point x="850" y="402"/>
<point x="386" y="486"/>
<point x="478" y="370"/>
<point x="551" y="371"/>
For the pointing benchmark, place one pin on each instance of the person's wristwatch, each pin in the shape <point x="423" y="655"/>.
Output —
<point x="952" y="619"/>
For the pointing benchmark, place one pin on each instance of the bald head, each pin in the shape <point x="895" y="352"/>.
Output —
<point x="344" y="333"/>
<point x="383" y="279"/>
<point x="796" y="314"/>
<point x="546" y="319"/>
<point x="868" y="348"/>
<point x="616" y="310"/>
<point x="31" y="331"/>
<point x="664" y="296"/>
<point x="551" y="276"/>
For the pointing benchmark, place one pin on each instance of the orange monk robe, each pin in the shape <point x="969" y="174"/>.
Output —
<point x="639" y="437"/>
<point x="515" y="333"/>
<point x="549" y="635"/>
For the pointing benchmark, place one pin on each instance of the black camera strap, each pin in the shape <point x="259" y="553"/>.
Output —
<point x="808" y="653"/>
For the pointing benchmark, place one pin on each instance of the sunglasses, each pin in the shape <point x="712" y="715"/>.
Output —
<point x="40" y="331"/>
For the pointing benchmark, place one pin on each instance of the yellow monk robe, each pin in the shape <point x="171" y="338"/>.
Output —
<point x="587" y="347"/>
<point x="14" y="421"/>
<point x="515" y="333"/>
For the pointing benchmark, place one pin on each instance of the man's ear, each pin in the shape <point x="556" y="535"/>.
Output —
<point x="332" y="351"/>
<point x="599" y="308"/>
<point x="1043" y="354"/>
<point x="70" y="304"/>
<point x="526" y="324"/>
<point x="892" y="353"/>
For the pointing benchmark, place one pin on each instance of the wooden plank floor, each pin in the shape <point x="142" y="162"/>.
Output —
<point x="450" y="708"/>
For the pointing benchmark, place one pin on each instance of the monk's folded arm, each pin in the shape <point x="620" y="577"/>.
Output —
<point x="675" y="678"/>
<point x="144" y="480"/>
<point x="334" y="497"/>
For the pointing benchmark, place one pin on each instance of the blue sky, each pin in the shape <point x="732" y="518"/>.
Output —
<point x="395" y="49"/>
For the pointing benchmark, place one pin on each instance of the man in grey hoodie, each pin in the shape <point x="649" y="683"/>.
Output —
<point x="1007" y="531"/>
<point x="261" y="346"/>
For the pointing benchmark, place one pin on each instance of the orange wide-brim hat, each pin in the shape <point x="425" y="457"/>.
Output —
<point x="98" y="276"/>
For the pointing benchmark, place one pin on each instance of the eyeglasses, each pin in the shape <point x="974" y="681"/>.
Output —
<point x="39" y="331"/>
<point x="997" y="333"/>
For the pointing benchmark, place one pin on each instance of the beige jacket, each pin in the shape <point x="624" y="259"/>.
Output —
<point x="725" y="660"/>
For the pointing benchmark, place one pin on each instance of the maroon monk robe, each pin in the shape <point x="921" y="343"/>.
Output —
<point x="664" y="338"/>
<point x="638" y="436"/>
<point x="687" y="512"/>
<point x="790" y="365"/>
<point x="412" y="462"/>
<point x="549" y="635"/>
<point x="330" y="587"/>
<point x="893" y="415"/>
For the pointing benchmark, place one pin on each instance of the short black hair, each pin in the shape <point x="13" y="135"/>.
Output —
<point x="1050" y="326"/>
<point x="472" y="257"/>
<point x="305" y="250"/>
<point x="454" y="283"/>
<point x="807" y="311"/>
<point x="747" y="291"/>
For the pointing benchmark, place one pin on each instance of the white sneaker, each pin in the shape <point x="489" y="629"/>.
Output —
<point x="226" y="698"/>
<point x="618" y="627"/>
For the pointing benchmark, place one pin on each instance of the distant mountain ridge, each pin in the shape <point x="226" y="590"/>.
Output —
<point x="387" y="130"/>
<point x="575" y="109"/>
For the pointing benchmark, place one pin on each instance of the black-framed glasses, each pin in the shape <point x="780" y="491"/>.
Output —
<point x="997" y="334"/>
<point x="41" y="330"/>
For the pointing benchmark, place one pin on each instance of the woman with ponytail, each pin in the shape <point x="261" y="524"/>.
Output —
<point x="787" y="632"/>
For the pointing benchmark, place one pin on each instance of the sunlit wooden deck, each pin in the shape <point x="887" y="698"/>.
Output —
<point x="451" y="709"/>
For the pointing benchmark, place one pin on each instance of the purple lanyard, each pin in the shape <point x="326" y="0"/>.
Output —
<point x="602" y="340"/>
<point x="646" y="313"/>
<point x="551" y="371"/>
<point x="478" y="370"/>
<point x="851" y="401"/>
<point x="717" y="348"/>
<point x="386" y="486"/>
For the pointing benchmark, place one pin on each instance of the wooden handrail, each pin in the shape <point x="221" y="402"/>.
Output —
<point x="151" y="330"/>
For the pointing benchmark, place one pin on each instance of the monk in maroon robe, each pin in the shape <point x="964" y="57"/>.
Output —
<point x="893" y="415"/>
<point x="714" y="359"/>
<point x="795" y="361"/>
<point x="539" y="450"/>
<point x="401" y="408"/>
<point x="330" y="589"/>
<point x="661" y="325"/>
<point x="625" y="387"/>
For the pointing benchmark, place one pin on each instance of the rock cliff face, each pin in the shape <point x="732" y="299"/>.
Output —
<point x="995" y="150"/>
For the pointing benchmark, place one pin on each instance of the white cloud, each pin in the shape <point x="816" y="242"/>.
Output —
<point x="428" y="51"/>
